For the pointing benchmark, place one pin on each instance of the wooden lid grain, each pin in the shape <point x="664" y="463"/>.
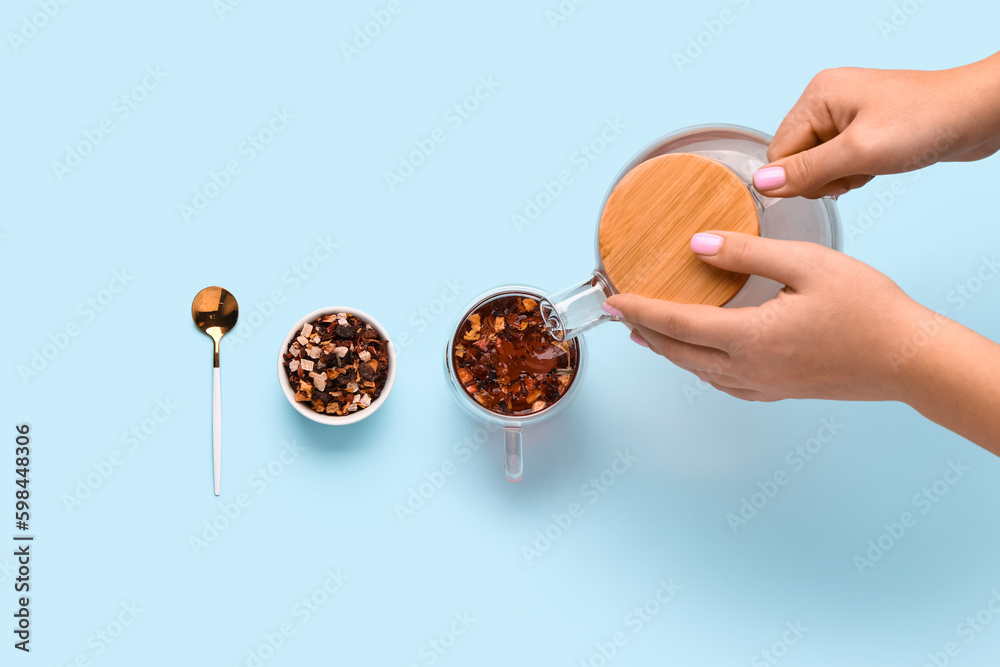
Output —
<point x="648" y="221"/>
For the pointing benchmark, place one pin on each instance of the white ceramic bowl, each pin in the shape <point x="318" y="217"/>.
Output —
<point x="333" y="420"/>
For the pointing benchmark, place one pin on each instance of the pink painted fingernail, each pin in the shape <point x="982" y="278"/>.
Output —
<point x="706" y="244"/>
<point x="769" y="178"/>
<point x="612" y="311"/>
<point x="637" y="339"/>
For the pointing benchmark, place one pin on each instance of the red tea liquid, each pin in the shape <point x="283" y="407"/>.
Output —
<point x="506" y="359"/>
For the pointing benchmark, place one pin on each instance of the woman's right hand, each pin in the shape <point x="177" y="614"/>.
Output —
<point x="853" y="124"/>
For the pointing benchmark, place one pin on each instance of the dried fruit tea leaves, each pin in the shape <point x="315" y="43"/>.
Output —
<point x="337" y="364"/>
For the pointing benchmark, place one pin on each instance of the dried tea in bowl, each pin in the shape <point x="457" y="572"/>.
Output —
<point x="337" y="364"/>
<point x="506" y="359"/>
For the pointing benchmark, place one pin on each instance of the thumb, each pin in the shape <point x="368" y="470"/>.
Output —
<point x="791" y="263"/>
<point x="827" y="169"/>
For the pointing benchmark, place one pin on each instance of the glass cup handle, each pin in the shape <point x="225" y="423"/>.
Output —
<point x="513" y="462"/>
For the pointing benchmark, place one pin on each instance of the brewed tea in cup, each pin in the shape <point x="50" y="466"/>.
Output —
<point x="505" y="366"/>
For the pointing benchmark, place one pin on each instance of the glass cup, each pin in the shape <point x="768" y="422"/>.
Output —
<point x="572" y="311"/>
<point x="511" y="424"/>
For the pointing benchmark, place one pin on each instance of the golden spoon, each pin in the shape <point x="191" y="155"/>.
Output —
<point x="215" y="312"/>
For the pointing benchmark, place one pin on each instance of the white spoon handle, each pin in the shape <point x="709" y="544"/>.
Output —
<point x="217" y="430"/>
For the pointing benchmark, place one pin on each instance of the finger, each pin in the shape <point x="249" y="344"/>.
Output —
<point x="816" y="118"/>
<point x="722" y="378"/>
<point x="695" y="358"/>
<point x="717" y="380"/>
<point x="821" y="113"/>
<point x="638" y="339"/>
<point x="715" y="373"/>
<point x="805" y="126"/>
<point x="792" y="263"/>
<point x="839" y="187"/>
<point x="691" y="323"/>
<point x="742" y="394"/>
<point x="832" y="165"/>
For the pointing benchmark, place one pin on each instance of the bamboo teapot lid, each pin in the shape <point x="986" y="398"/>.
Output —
<point x="650" y="217"/>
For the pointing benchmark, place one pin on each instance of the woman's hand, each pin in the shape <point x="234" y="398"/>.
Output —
<point x="838" y="330"/>
<point x="852" y="124"/>
<point x="830" y="333"/>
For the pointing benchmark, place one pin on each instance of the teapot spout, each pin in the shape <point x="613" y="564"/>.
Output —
<point x="574" y="310"/>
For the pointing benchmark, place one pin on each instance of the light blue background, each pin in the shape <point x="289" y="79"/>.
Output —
<point x="333" y="506"/>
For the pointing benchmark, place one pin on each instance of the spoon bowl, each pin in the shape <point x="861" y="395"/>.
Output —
<point x="215" y="312"/>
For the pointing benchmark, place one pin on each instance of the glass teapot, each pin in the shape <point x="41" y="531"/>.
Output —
<point x="741" y="151"/>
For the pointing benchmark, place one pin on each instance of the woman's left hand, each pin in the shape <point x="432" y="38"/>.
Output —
<point x="838" y="330"/>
